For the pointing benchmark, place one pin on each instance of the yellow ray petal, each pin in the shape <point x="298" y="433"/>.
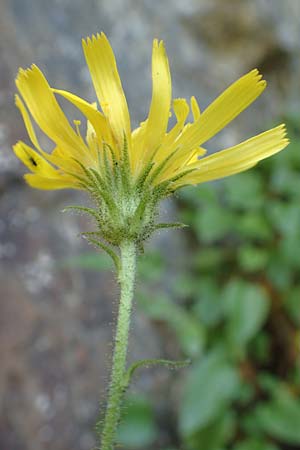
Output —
<point x="161" y="99"/>
<point x="91" y="139"/>
<point x="27" y="121"/>
<point x="45" y="110"/>
<point x="219" y="173"/>
<point x="195" y="108"/>
<point x="181" y="109"/>
<point x="174" y="167"/>
<point x="104" y="73"/>
<point x="95" y="117"/>
<point x="62" y="160"/>
<point x="35" y="162"/>
<point x="238" y="157"/>
<point x="137" y="137"/>
<point x="40" y="182"/>
<point x="196" y="155"/>
<point x="223" y="110"/>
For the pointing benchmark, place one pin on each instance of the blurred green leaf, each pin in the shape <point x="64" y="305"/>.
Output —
<point x="189" y="331"/>
<point x="285" y="216"/>
<point x="285" y="181"/>
<point x="250" y="426"/>
<point x="137" y="428"/>
<point x="278" y="273"/>
<point x="246" y="307"/>
<point x="261" y="347"/>
<point x="213" y="224"/>
<point x="246" y="393"/>
<point x="253" y="444"/>
<point x="292" y="304"/>
<point x="208" y="302"/>
<point x="195" y="196"/>
<point x="253" y="225"/>
<point x="209" y="388"/>
<point x="252" y="259"/>
<point x="281" y="416"/>
<point x="186" y="285"/>
<point x="268" y="382"/>
<point x="151" y="266"/>
<point x="216" y="435"/>
<point x="208" y="259"/>
<point x="244" y="191"/>
<point x="287" y="249"/>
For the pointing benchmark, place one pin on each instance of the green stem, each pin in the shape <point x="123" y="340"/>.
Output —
<point x="118" y="374"/>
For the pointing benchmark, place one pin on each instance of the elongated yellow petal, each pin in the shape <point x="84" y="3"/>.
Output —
<point x="45" y="110"/>
<point x="27" y="121"/>
<point x="195" y="108"/>
<point x="223" y="110"/>
<point x="95" y="117"/>
<point x="62" y="160"/>
<point x="104" y="73"/>
<point x="161" y="99"/>
<point x="181" y="109"/>
<point x="92" y="141"/>
<point x="196" y="155"/>
<point x="40" y="182"/>
<point x="238" y="157"/>
<point x="35" y="162"/>
<point x="216" y="174"/>
<point x="137" y="138"/>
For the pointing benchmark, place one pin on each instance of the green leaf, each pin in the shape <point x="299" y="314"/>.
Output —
<point x="292" y="305"/>
<point x="245" y="191"/>
<point x="280" y="417"/>
<point x="213" y="224"/>
<point x="151" y="266"/>
<point x="194" y="196"/>
<point x="285" y="181"/>
<point x="186" y="285"/>
<point x="252" y="259"/>
<point x="280" y="274"/>
<point x="287" y="249"/>
<point x="216" y="435"/>
<point x="261" y="347"/>
<point x="137" y="428"/>
<point x="251" y="225"/>
<point x="211" y="385"/>
<point x="189" y="330"/>
<point x="208" y="259"/>
<point x="285" y="216"/>
<point x="246" y="307"/>
<point x="208" y="305"/>
<point x="254" y="444"/>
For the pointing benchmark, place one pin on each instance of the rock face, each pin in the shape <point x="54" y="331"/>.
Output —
<point x="56" y="321"/>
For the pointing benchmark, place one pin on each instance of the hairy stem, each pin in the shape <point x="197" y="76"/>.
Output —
<point x="118" y="374"/>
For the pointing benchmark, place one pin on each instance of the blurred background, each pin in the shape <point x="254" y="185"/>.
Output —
<point x="224" y="292"/>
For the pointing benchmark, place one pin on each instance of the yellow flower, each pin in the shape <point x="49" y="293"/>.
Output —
<point x="174" y="157"/>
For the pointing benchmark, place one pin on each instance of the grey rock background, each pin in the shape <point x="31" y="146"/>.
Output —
<point x="56" y="323"/>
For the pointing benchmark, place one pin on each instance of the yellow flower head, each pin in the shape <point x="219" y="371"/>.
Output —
<point x="178" y="149"/>
<point x="115" y="163"/>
